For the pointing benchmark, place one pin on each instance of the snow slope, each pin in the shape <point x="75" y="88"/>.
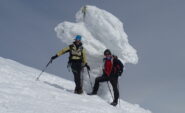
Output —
<point x="20" y="93"/>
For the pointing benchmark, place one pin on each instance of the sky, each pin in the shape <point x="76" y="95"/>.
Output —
<point x="155" y="29"/>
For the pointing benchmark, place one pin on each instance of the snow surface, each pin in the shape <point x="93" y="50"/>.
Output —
<point x="100" y="30"/>
<point x="21" y="93"/>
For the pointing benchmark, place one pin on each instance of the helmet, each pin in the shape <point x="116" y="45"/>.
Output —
<point x="78" y="37"/>
<point x="107" y="51"/>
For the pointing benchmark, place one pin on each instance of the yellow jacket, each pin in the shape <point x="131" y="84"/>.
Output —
<point x="75" y="54"/>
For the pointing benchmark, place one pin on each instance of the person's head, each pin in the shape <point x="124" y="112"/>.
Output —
<point x="78" y="39"/>
<point x="107" y="53"/>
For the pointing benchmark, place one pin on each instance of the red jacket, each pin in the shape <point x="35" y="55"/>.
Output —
<point x="108" y="63"/>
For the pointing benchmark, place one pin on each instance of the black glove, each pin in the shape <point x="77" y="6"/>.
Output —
<point x="53" y="57"/>
<point x="87" y="66"/>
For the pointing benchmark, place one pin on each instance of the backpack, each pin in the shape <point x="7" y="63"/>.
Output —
<point x="117" y="66"/>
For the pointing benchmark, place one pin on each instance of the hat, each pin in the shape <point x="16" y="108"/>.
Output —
<point x="78" y="37"/>
<point x="107" y="51"/>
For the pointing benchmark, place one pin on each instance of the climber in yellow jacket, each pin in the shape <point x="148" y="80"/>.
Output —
<point x="77" y="60"/>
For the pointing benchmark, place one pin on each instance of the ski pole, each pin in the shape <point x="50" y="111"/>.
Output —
<point x="119" y="94"/>
<point x="90" y="79"/>
<point x="82" y="77"/>
<point x="110" y="90"/>
<point x="43" y="70"/>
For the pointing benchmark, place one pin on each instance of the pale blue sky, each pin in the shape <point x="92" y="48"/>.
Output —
<point x="154" y="27"/>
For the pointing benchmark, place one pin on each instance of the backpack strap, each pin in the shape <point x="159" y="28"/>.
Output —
<point x="71" y="49"/>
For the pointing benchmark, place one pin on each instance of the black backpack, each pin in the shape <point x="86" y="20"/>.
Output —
<point x="117" y="66"/>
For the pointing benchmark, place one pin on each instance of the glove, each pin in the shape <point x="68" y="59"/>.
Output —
<point x="87" y="66"/>
<point x="53" y="57"/>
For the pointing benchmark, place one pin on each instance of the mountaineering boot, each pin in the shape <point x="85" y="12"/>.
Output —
<point x="78" y="91"/>
<point x="75" y="91"/>
<point x="114" y="103"/>
<point x="92" y="93"/>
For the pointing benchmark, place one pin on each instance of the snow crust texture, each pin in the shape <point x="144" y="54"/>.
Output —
<point x="20" y="93"/>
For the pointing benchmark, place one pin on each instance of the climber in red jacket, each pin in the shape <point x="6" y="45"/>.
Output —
<point x="113" y="68"/>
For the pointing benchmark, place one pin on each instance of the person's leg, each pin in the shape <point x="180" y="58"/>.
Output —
<point x="77" y="80"/>
<point x="114" y="83"/>
<point x="76" y="69"/>
<point x="97" y="81"/>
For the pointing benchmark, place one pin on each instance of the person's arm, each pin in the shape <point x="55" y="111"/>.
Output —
<point x="64" y="50"/>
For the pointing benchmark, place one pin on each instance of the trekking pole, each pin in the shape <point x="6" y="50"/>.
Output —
<point x="90" y="79"/>
<point x="119" y="94"/>
<point x="43" y="70"/>
<point x="110" y="90"/>
<point x="82" y="77"/>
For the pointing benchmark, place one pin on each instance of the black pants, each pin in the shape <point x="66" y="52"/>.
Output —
<point x="76" y="67"/>
<point x="113" y="80"/>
